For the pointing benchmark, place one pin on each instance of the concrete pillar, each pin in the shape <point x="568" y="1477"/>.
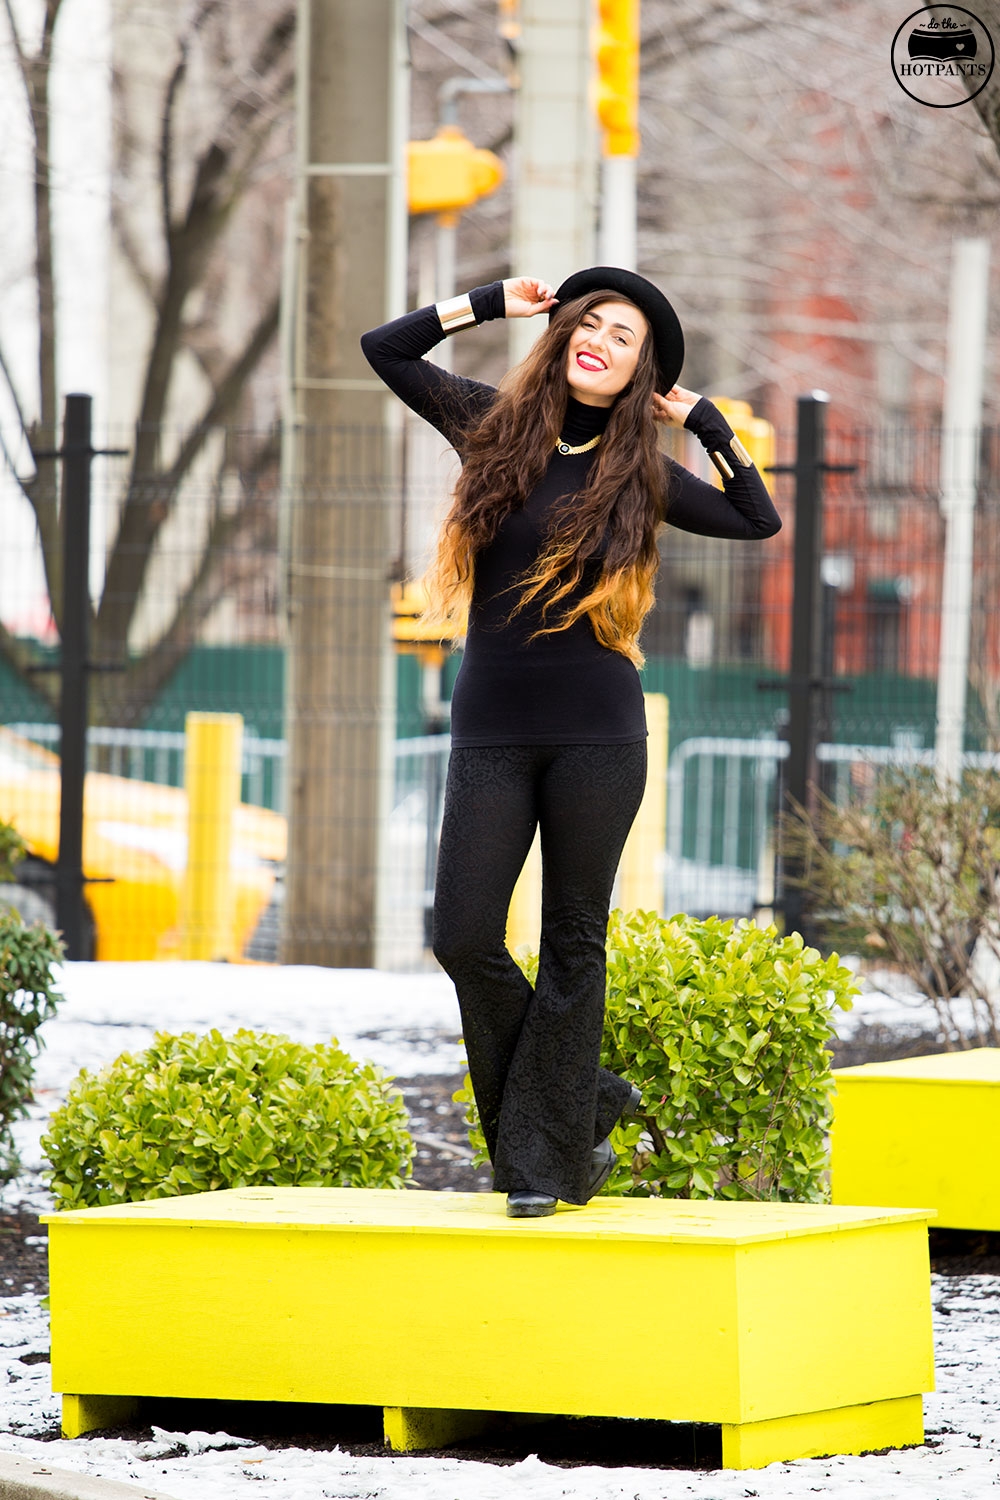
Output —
<point x="555" y="152"/>
<point x="341" y="484"/>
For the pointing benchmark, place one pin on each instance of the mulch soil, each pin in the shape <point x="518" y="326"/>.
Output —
<point x="444" y="1164"/>
<point x="24" y="1265"/>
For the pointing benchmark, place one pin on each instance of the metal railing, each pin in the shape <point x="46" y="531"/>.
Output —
<point x="722" y="795"/>
<point x="722" y="798"/>
<point x="157" y="755"/>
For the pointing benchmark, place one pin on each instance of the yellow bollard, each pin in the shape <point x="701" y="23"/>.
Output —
<point x="524" y="915"/>
<point x="212" y="758"/>
<point x="640" y="874"/>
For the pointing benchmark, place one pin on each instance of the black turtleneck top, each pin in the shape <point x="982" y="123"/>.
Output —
<point x="563" y="688"/>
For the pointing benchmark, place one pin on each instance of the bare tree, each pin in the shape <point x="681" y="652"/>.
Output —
<point x="987" y="102"/>
<point x="793" y="200"/>
<point x="907" y="871"/>
<point x="223" y="120"/>
<point x="800" y="205"/>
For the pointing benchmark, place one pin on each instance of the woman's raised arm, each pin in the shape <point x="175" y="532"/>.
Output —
<point x="742" y="509"/>
<point x="395" y="352"/>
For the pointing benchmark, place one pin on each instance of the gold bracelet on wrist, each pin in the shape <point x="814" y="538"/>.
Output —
<point x="720" y="463"/>
<point x="740" y="452"/>
<point x="455" y="313"/>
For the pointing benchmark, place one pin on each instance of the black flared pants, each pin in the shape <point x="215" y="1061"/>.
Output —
<point x="534" y="1053"/>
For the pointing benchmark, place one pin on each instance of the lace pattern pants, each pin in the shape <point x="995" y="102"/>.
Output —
<point x="534" y="1053"/>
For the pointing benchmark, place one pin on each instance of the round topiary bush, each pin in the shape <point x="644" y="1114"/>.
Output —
<point x="723" y="1027"/>
<point x="196" y="1113"/>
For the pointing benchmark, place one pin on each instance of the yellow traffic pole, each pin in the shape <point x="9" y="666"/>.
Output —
<point x="212" y="758"/>
<point x="640" y="874"/>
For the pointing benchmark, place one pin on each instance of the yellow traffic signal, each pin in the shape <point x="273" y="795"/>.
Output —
<point x="509" y="19"/>
<point x="448" y="173"/>
<point x="756" y="435"/>
<point x="616" y="52"/>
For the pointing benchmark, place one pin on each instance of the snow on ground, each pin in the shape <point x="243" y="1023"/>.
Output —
<point x="961" y="1460"/>
<point x="887" y="1000"/>
<point x="406" y="1023"/>
<point x="409" y="1024"/>
<point x="400" y="1021"/>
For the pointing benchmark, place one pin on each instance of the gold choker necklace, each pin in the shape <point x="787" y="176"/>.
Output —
<point x="563" y="447"/>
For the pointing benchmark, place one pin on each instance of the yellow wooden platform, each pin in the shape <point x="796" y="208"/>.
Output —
<point x="801" y="1329"/>
<point x="921" y="1131"/>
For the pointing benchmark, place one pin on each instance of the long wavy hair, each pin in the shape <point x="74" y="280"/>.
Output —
<point x="613" y="519"/>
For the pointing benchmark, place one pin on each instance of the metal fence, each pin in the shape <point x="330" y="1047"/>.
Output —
<point x="157" y="756"/>
<point x="717" y="644"/>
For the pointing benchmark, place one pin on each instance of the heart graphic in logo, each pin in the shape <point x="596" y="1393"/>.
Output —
<point x="959" y="46"/>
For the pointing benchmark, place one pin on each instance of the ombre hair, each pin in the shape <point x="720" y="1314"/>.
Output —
<point x="614" y="519"/>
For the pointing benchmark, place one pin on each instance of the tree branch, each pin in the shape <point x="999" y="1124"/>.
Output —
<point x="41" y="490"/>
<point x="211" y="200"/>
<point x="132" y="254"/>
<point x="166" y="156"/>
<point x="220" y="568"/>
<point x="19" y="658"/>
<point x="5" y="371"/>
<point x="16" y="38"/>
<point x="227" y="392"/>
<point x="151" y="495"/>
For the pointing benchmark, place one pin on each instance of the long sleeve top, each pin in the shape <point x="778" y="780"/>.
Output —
<point x="565" y="687"/>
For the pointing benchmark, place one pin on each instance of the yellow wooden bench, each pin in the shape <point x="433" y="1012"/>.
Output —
<point x="922" y="1130"/>
<point x="801" y="1329"/>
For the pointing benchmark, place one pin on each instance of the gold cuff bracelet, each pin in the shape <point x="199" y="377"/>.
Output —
<point x="455" y="313"/>
<point x="721" y="465"/>
<point x="740" y="452"/>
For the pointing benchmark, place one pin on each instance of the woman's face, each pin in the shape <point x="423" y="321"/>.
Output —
<point x="604" y="351"/>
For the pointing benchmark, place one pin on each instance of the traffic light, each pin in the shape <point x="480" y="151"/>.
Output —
<point x="616" y="53"/>
<point x="509" y="20"/>
<point x="448" y="173"/>
<point x="756" y="435"/>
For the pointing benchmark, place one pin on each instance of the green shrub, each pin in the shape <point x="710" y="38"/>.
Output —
<point x="27" y="998"/>
<point x="905" y="871"/>
<point x="723" y="1027"/>
<point x="196" y="1113"/>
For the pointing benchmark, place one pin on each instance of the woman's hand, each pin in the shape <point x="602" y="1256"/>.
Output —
<point x="524" y="296"/>
<point x="673" y="408"/>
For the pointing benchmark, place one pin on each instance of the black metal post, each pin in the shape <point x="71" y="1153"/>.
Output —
<point x="804" y="690"/>
<point x="826" y="771"/>
<point x="76" y="456"/>
<point x="810" y="684"/>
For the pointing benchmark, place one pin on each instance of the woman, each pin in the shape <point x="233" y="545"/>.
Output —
<point x="550" y="545"/>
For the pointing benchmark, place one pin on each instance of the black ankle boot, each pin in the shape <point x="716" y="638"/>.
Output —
<point x="526" y="1204"/>
<point x="602" y="1163"/>
<point x="603" y="1160"/>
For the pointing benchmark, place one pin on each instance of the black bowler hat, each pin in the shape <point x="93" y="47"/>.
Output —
<point x="668" y="340"/>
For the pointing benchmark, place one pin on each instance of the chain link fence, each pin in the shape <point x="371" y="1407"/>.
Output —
<point x="224" y="571"/>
